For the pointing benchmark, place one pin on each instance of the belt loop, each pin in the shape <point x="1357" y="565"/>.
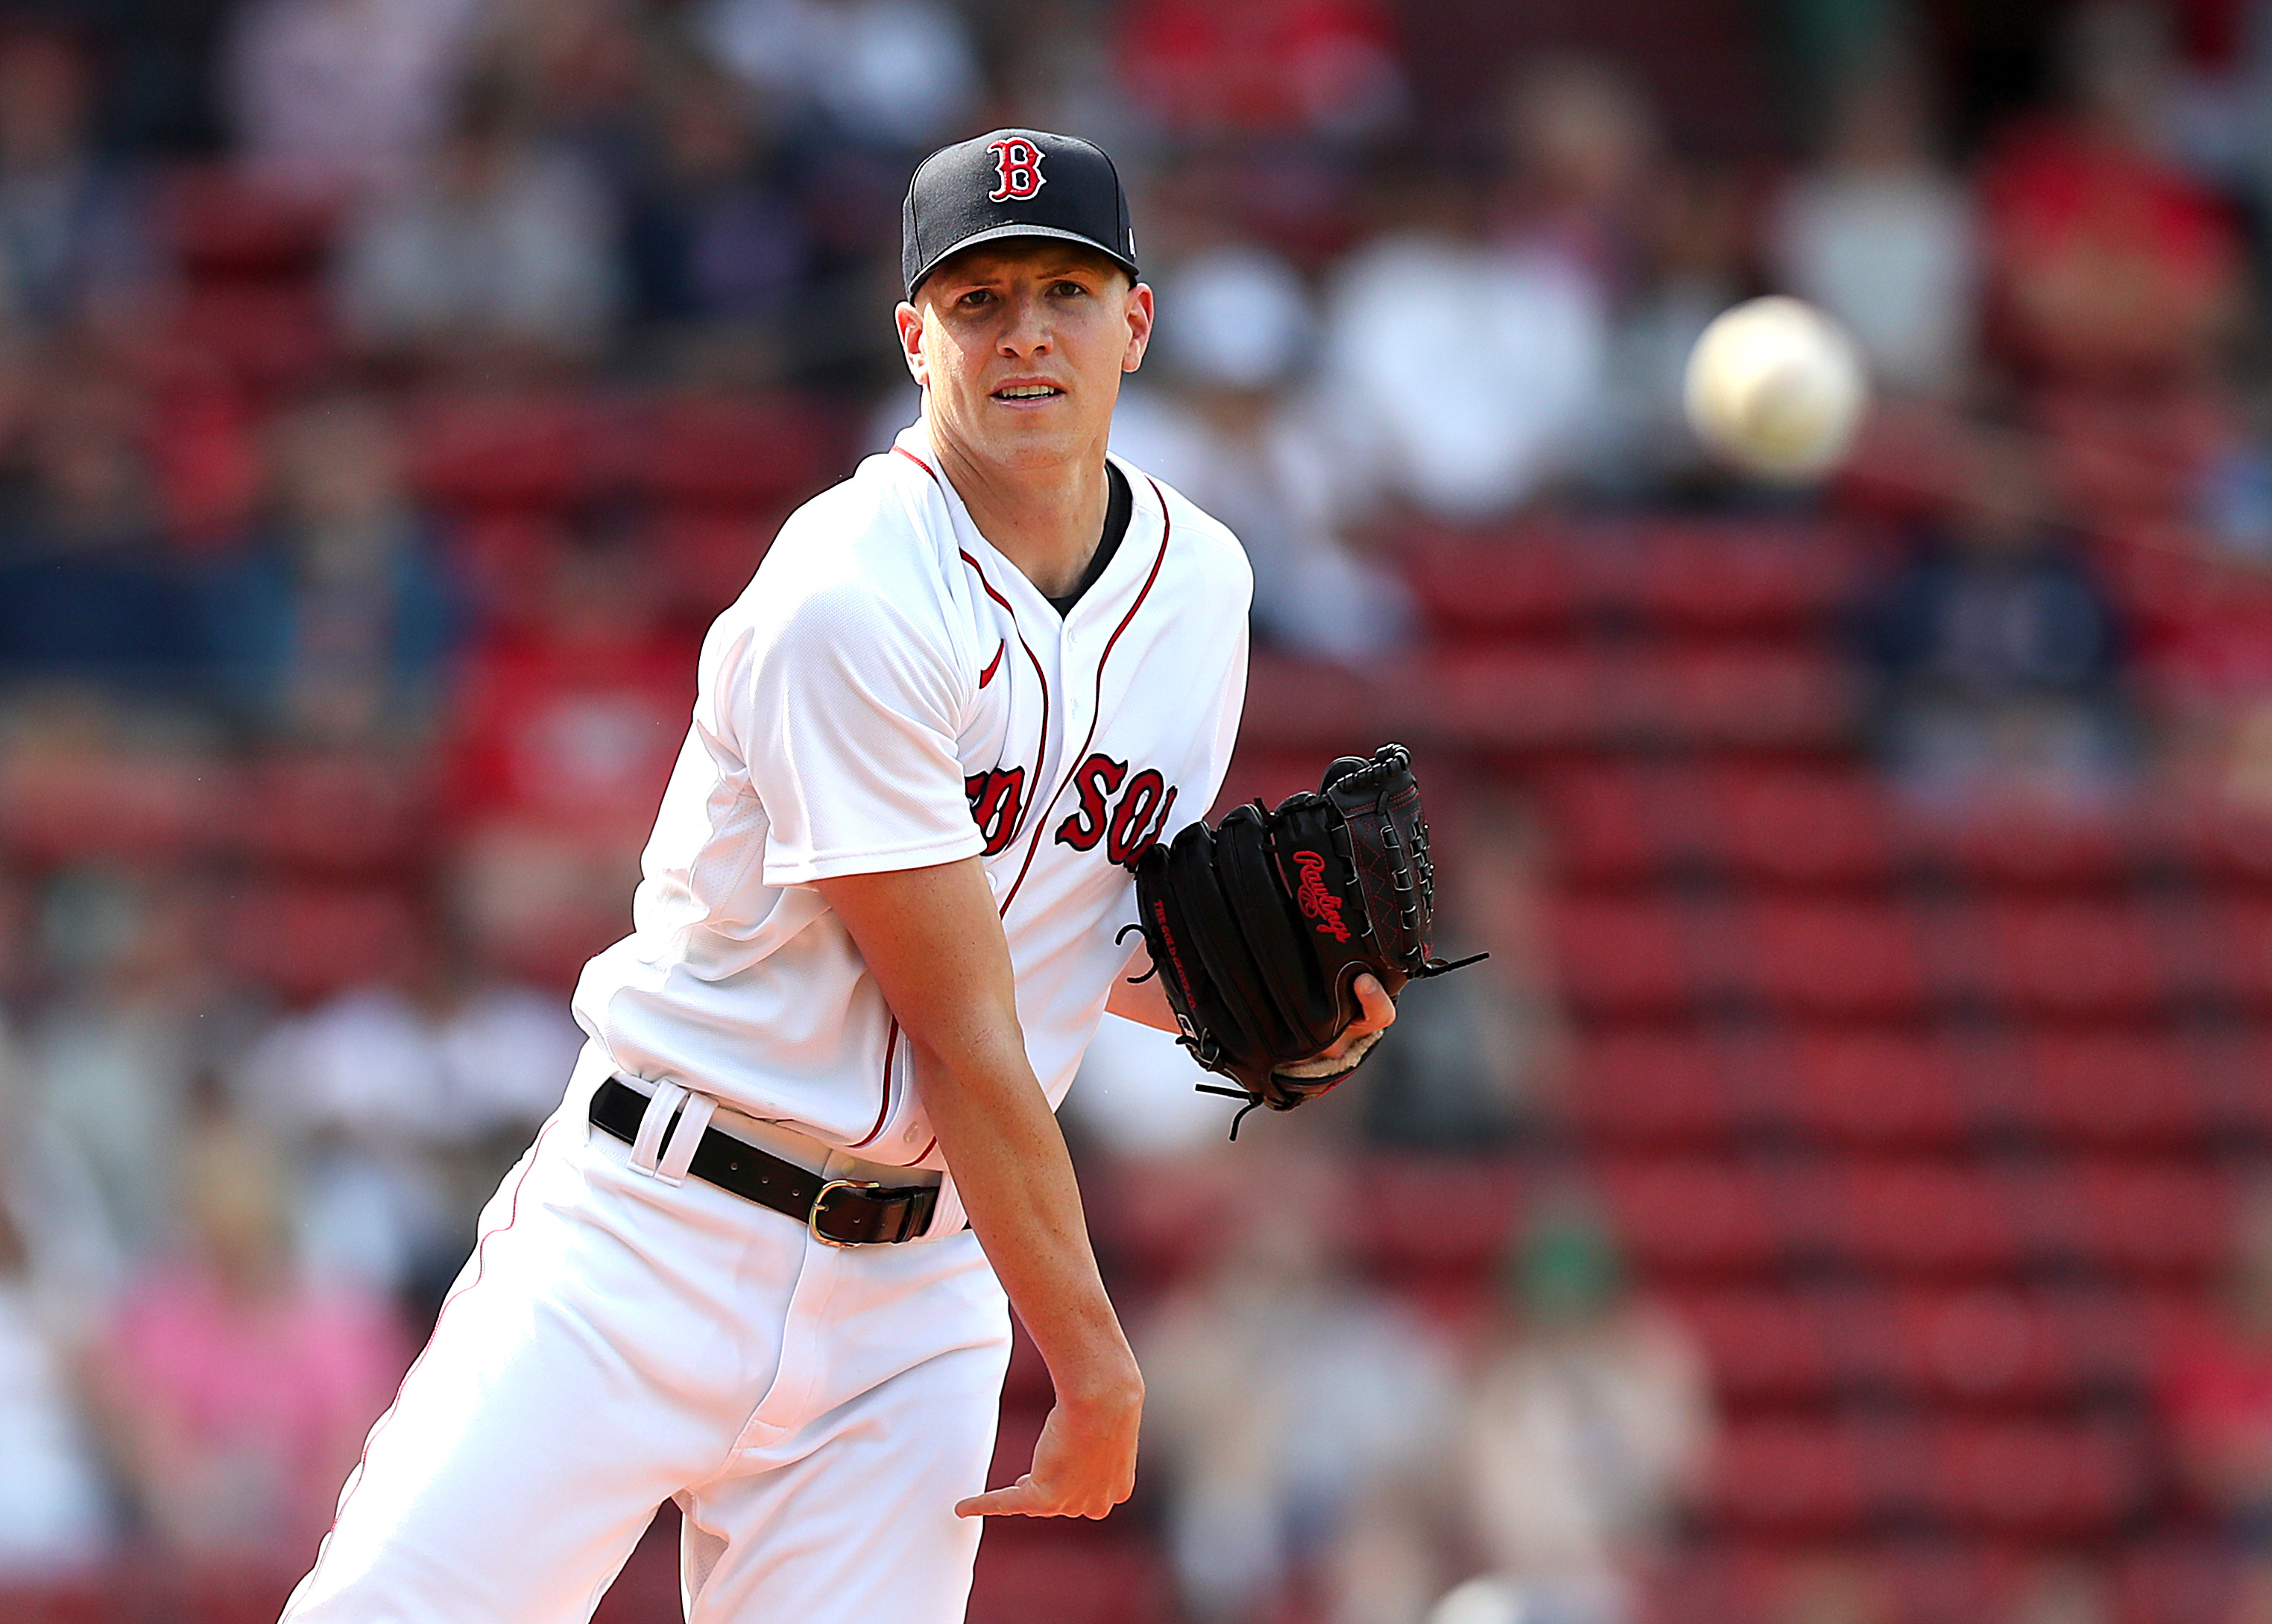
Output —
<point x="678" y="1153"/>
<point x="654" y="1122"/>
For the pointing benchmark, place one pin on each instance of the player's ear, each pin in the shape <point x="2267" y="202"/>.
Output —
<point x="1140" y="326"/>
<point x="910" y="322"/>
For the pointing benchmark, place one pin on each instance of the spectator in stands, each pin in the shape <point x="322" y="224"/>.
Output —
<point x="1582" y="156"/>
<point x="1464" y="352"/>
<point x="500" y="252"/>
<point x="2214" y="1397"/>
<point x="86" y="592"/>
<point x="73" y="236"/>
<point x="1479" y="1062"/>
<point x="714" y="241"/>
<point x="110" y="1056"/>
<point x="1997" y="654"/>
<point x="1691" y="265"/>
<point x="238" y="1394"/>
<point x="1881" y="234"/>
<point x="899" y="74"/>
<point x="1231" y="432"/>
<point x="563" y="735"/>
<point x="1585" y="1430"/>
<point x="2110" y="265"/>
<point x="337" y="97"/>
<point x="1286" y="1402"/>
<point x="404" y="1103"/>
<point x="55" y="1519"/>
<point x="338" y="620"/>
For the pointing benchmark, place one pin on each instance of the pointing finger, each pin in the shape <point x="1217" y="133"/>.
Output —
<point x="1020" y="1499"/>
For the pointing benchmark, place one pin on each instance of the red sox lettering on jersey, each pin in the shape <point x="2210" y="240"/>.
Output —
<point x="1129" y="824"/>
<point x="1018" y="162"/>
<point x="996" y="796"/>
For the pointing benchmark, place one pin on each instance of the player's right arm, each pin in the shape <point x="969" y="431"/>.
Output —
<point x="932" y="939"/>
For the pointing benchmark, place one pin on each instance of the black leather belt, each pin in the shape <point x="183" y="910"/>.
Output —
<point x="839" y="1212"/>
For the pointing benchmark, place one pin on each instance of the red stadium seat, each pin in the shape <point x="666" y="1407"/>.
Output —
<point x="2019" y="848"/>
<point x="66" y="798"/>
<point x="1623" y="956"/>
<point x="1417" y="1214"/>
<point x="708" y="558"/>
<point x="2115" y="1089"/>
<point x="2070" y="958"/>
<point x="224" y="225"/>
<point x="2037" y="1479"/>
<point x="1651" y="1088"/>
<point x="1950" y="1578"/>
<point x="1605" y="822"/>
<point x="2171" y="1216"/>
<point x="1525" y="582"/>
<point x="269" y="338"/>
<point x="1066" y="1575"/>
<point x="1787" y="1476"/>
<point x="2244" y="928"/>
<point x="1691" y="1214"/>
<point x="306" y="939"/>
<point x="2159" y="1217"/>
<point x="2057" y="957"/>
<point x="1875" y="1089"/>
<point x="1762" y="1345"/>
<point x="735" y="455"/>
<point x="2233" y="1067"/>
<point x="1829" y="956"/>
<point x="2179" y="1578"/>
<point x="1739" y="695"/>
<point x="1519" y="697"/>
<point x="1801" y="825"/>
<point x="1750" y="577"/>
<point x="529" y="452"/>
<point x="1983" y="1344"/>
<point x="1321" y="709"/>
<point x="333" y="811"/>
<point x="1919" y="1216"/>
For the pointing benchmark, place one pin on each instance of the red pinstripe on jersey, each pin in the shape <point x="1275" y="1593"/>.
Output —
<point x="1167" y="529"/>
<point x="1041" y="747"/>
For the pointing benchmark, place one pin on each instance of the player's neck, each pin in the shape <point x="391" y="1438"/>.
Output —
<point x="1045" y="520"/>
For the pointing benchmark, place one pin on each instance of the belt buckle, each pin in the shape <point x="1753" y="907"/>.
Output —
<point x="821" y="1205"/>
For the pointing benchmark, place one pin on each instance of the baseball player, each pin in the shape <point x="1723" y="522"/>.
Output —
<point x="757" y="1262"/>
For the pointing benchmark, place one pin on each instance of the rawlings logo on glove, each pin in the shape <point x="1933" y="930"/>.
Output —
<point x="1314" y="899"/>
<point x="1259" y="994"/>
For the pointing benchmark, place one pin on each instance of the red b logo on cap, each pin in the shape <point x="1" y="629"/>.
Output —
<point x="1019" y="162"/>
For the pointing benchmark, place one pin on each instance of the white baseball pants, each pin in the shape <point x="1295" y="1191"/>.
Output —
<point x="616" y="1341"/>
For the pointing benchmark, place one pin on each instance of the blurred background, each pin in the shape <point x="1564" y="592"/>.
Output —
<point x="1842" y="1197"/>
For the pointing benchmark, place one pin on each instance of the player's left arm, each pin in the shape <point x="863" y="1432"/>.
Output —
<point x="933" y="940"/>
<point x="1136" y="996"/>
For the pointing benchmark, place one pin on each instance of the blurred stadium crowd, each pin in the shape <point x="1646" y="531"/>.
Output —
<point x="1840" y="1200"/>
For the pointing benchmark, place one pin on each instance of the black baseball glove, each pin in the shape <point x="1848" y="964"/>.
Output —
<point x="1260" y="927"/>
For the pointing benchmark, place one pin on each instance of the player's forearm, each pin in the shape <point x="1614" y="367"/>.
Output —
<point x="1016" y="1181"/>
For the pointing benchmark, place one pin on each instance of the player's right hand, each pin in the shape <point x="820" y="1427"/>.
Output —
<point x="1084" y="1462"/>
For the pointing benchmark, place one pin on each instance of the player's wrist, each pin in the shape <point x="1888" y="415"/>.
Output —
<point x="1102" y="1389"/>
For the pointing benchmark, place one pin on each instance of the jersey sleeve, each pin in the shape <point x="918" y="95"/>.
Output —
<point x="851" y="729"/>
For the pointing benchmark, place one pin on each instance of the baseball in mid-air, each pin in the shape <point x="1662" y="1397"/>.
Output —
<point x="1777" y="387"/>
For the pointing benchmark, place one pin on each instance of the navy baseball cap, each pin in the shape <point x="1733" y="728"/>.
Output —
<point x="1014" y="184"/>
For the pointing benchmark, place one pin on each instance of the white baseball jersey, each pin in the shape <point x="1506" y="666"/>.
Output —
<point x="891" y="693"/>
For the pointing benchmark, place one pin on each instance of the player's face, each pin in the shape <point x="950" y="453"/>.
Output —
<point x="1020" y="346"/>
